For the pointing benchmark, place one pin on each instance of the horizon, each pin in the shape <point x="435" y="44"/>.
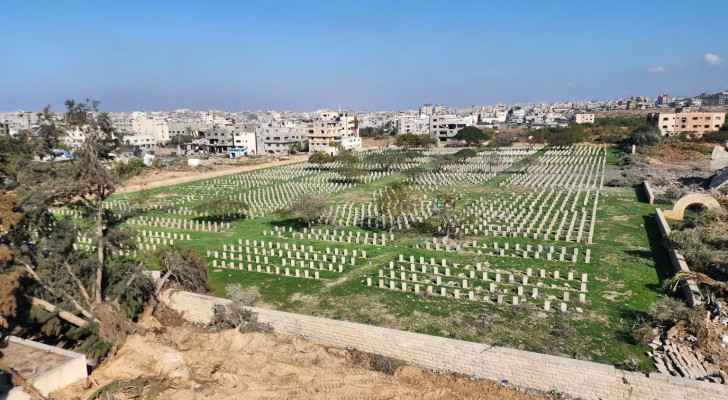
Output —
<point x="374" y="56"/>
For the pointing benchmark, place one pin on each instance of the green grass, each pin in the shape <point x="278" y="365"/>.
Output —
<point x="624" y="280"/>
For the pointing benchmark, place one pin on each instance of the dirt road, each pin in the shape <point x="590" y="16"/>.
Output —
<point x="170" y="178"/>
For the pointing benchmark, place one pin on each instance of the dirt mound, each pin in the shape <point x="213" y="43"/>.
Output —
<point x="182" y="363"/>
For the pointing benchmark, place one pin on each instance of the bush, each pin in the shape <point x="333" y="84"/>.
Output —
<point x="473" y="136"/>
<point x="717" y="137"/>
<point x="414" y="141"/>
<point x="644" y="136"/>
<point x="321" y="158"/>
<point x="561" y="136"/>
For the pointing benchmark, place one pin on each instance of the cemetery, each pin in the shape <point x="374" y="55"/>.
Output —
<point x="500" y="247"/>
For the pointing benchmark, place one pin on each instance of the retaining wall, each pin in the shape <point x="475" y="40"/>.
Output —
<point x="689" y="291"/>
<point x="649" y="194"/>
<point x="582" y="379"/>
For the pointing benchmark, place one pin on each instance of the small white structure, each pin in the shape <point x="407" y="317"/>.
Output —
<point x="582" y="118"/>
<point x="47" y="368"/>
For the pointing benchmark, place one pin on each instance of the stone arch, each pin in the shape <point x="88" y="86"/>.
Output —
<point x="678" y="210"/>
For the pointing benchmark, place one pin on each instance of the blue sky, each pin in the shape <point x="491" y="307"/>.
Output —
<point x="236" y="55"/>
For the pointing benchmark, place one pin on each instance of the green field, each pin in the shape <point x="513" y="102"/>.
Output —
<point x="624" y="275"/>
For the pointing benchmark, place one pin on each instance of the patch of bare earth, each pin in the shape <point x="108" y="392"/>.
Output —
<point x="183" y="363"/>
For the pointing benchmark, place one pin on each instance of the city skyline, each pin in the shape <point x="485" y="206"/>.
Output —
<point x="308" y="56"/>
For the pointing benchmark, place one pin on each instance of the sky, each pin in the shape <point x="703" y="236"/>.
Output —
<point x="363" y="55"/>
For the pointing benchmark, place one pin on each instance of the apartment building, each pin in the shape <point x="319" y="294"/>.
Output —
<point x="330" y="131"/>
<point x="414" y="124"/>
<point x="581" y="118"/>
<point x="445" y="126"/>
<point x="693" y="122"/>
<point x="716" y="99"/>
<point x="153" y="127"/>
<point x="244" y="138"/>
<point x="278" y="136"/>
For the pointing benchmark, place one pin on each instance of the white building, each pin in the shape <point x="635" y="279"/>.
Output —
<point x="245" y="138"/>
<point x="331" y="130"/>
<point x="415" y="124"/>
<point x="445" y="126"/>
<point x="584" y="118"/>
<point x="153" y="127"/>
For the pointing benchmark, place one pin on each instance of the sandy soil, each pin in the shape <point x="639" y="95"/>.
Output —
<point x="187" y="364"/>
<point x="170" y="178"/>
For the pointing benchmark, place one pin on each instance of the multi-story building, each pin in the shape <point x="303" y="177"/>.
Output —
<point x="581" y="118"/>
<point x="4" y="128"/>
<point x="141" y="141"/>
<point x="692" y="122"/>
<point x="445" y="126"/>
<point x="279" y="136"/>
<point x="153" y="127"/>
<point x="415" y="124"/>
<point x="716" y="99"/>
<point x="663" y="100"/>
<point x="330" y="131"/>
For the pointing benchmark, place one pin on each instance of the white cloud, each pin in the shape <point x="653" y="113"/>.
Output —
<point x="656" y="69"/>
<point x="712" y="59"/>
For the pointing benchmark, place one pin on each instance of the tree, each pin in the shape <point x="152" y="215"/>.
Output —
<point x="570" y="135"/>
<point x="182" y="269"/>
<point x="222" y="208"/>
<point x="472" y="135"/>
<point x="94" y="182"/>
<point x="397" y="199"/>
<point x="410" y="140"/>
<point x="319" y="158"/>
<point x="645" y="136"/>
<point x="505" y="139"/>
<point x="94" y="294"/>
<point x="306" y="210"/>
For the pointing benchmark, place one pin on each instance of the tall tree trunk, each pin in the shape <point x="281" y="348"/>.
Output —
<point x="99" y="249"/>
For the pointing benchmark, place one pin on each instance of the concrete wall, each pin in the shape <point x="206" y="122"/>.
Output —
<point x="649" y="194"/>
<point x="577" y="378"/>
<point x="689" y="291"/>
<point x="63" y="375"/>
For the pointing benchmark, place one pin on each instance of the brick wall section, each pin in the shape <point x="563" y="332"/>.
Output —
<point x="582" y="379"/>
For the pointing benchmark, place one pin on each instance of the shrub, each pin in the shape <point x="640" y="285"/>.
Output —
<point x="414" y="141"/>
<point x="321" y="158"/>
<point x="473" y="136"/>
<point x="716" y="137"/>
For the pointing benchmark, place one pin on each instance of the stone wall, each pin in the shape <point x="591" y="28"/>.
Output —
<point x="582" y="379"/>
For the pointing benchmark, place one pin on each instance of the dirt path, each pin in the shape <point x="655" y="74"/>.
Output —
<point x="183" y="363"/>
<point x="171" y="178"/>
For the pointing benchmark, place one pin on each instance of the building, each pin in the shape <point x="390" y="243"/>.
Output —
<point x="4" y="128"/>
<point x="663" y="100"/>
<point x="140" y="140"/>
<point x="716" y="99"/>
<point x="279" y="136"/>
<point x="152" y="127"/>
<point x="444" y="127"/>
<point x="581" y="118"/>
<point x="244" y="138"/>
<point x="693" y="122"/>
<point x="413" y="124"/>
<point x="330" y="131"/>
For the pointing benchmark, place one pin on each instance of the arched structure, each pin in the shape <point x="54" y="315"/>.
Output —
<point x="678" y="210"/>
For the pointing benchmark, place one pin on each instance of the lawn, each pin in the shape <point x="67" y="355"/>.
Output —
<point x="625" y="274"/>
